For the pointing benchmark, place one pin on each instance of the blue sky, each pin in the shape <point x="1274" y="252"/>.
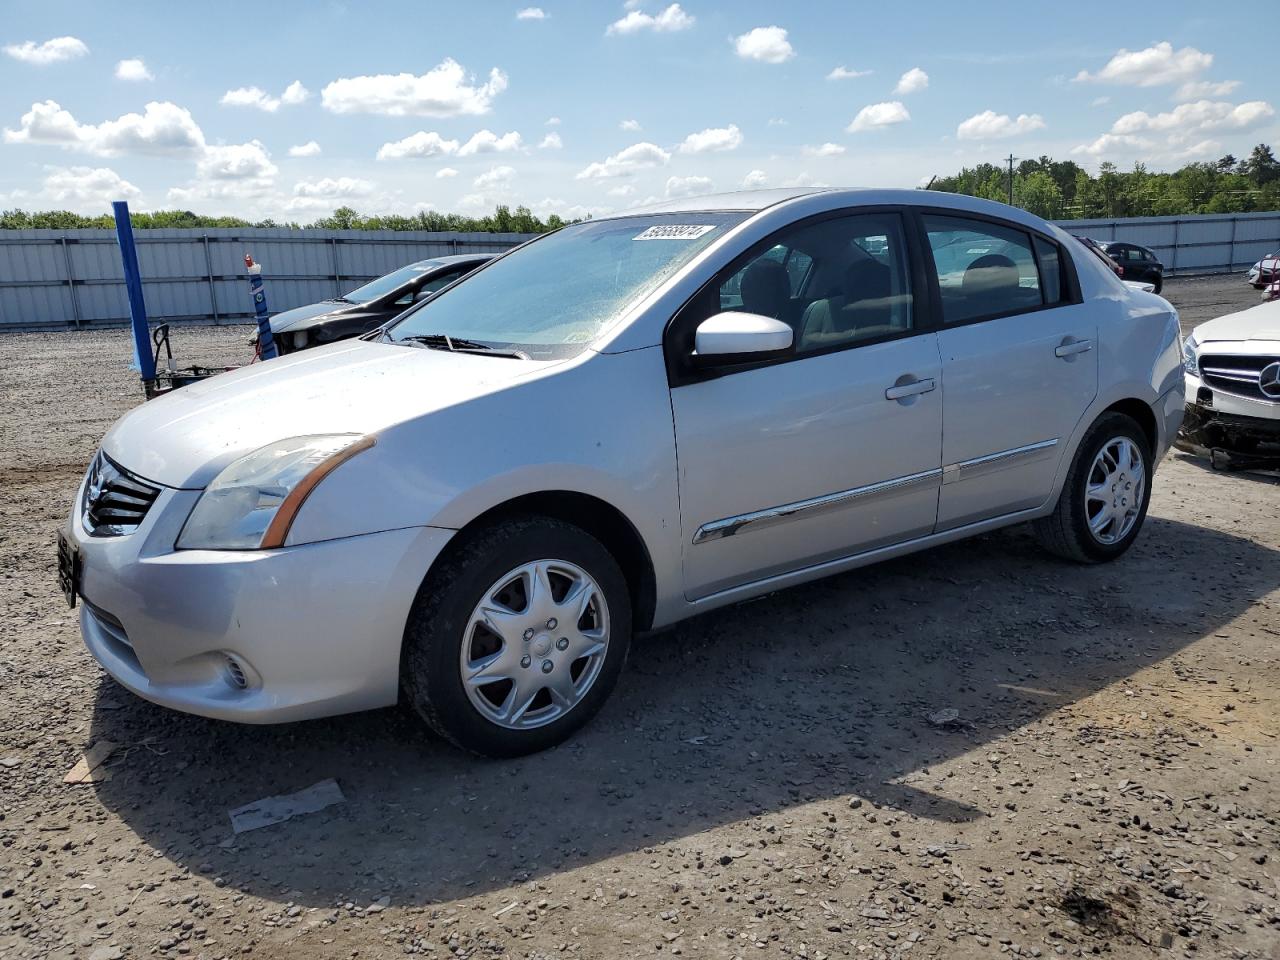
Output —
<point x="292" y="109"/>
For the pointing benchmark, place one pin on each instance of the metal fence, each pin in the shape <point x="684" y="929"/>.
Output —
<point x="72" y="278"/>
<point x="1214" y="243"/>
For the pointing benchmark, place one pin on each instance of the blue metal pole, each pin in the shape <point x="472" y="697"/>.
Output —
<point x="266" y="342"/>
<point x="133" y="286"/>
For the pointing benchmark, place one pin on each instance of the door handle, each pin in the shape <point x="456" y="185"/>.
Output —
<point x="1070" y="349"/>
<point x="902" y="390"/>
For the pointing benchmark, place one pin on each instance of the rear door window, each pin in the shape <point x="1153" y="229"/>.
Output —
<point x="984" y="269"/>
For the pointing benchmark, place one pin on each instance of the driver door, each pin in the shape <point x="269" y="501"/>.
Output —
<point x="832" y="451"/>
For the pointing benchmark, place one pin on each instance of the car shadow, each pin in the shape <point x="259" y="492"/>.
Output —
<point x="1256" y="474"/>
<point x="818" y="693"/>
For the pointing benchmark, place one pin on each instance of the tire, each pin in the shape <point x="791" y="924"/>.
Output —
<point x="447" y="634"/>
<point x="1067" y="531"/>
<point x="1158" y="282"/>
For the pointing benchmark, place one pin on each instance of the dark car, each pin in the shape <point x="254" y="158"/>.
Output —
<point x="1139" y="263"/>
<point x="371" y="305"/>
<point x="1096" y="249"/>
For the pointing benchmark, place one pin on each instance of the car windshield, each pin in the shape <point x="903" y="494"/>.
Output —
<point x="554" y="296"/>
<point x="384" y="285"/>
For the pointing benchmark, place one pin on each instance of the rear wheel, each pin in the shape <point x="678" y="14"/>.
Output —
<point x="1104" y="500"/>
<point x="518" y="638"/>
<point x="1158" y="283"/>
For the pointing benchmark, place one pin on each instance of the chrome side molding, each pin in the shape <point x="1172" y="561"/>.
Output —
<point x="967" y="469"/>
<point x="759" y="519"/>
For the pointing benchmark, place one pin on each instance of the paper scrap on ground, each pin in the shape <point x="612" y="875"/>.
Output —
<point x="88" y="768"/>
<point x="269" y="810"/>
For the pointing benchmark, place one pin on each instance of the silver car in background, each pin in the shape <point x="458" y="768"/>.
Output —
<point x="611" y="428"/>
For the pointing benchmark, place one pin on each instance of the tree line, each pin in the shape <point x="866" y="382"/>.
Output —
<point x="502" y="220"/>
<point x="1063" y="190"/>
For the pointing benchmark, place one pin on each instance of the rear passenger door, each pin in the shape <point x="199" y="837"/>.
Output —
<point x="1019" y="364"/>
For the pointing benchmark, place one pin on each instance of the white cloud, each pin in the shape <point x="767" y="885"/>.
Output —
<point x="444" y="91"/>
<point x="778" y="122"/>
<point x="552" y="122"/>
<point x="445" y="172"/>
<point x="162" y="129"/>
<point x="1112" y="143"/>
<point x="766" y="44"/>
<point x="1199" y="89"/>
<point x="803" y="180"/>
<point x="420" y="144"/>
<point x="989" y="125"/>
<point x="551" y="141"/>
<point x="1152" y="67"/>
<point x="51" y="51"/>
<point x="1099" y="101"/>
<point x="133" y="69"/>
<point x="1189" y="120"/>
<point x="670" y="20"/>
<point x="87" y="186"/>
<point x="713" y="140"/>
<point x="823" y="150"/>
<point x="473" y="201"/>
<point x="532" y="13"/>
<point x="238" y="161"/>
<point x="623" y="190"/>
<point x="631" y="126"/>
<point x="913" y="81"/>
<point x="755" y="179"/>
<point x="688" y="186"/>
<point x="294" y="94"/>
<point x="486" y="141"/>
<point x="844" y="73"/>
<point x="308" y="149"/>
<point x="495" y="176"/>
<point x="332" y="188"/>
<point x="878" y="115"/>
<point x="638" y="156"/>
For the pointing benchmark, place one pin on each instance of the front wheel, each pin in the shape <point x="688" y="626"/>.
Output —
<point x="1158" y="284"/>
<point x="1104" y="500"/>
<point x="518" y="638"/>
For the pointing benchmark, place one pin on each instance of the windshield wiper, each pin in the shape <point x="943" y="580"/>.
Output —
<point x="442" y="341"/>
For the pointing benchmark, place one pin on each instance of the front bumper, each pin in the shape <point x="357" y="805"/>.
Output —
<point x="1222" y="421"/>
<point x="257" y="636"/>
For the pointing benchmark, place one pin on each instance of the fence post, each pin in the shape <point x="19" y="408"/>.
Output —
<point x="1173" y="267"/>
<point x="208" y="266"/>
<point x="71" y="282"/>
<point x="337" y="273"/>
<point x="1231" y="255"/>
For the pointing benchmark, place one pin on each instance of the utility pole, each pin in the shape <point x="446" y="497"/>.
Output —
<point x="1011" y="158"/>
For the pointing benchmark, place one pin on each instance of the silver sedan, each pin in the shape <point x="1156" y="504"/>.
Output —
<point x="611" y="428"/>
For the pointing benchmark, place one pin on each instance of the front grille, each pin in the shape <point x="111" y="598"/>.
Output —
<point x="115" y="501"/>
<point x="1242" y="375"/>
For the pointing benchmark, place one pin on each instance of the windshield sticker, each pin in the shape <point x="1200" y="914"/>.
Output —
<point x="675" y="231"/>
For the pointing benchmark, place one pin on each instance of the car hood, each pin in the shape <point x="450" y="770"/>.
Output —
<point x="185" y="438"/>
<point x="298" y="316"/>
<point x="1257" y="323"/>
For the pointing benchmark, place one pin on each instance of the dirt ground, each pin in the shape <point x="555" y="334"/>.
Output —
<point x="765" y="782"/>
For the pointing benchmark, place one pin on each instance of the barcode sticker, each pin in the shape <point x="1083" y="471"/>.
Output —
<point x="675" y="231"/>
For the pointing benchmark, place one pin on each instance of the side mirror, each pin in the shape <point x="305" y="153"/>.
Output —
<point x="735" y="337"/>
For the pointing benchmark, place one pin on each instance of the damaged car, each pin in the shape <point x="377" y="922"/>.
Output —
<point x="616" y="426"/>
<point x="1233" y="388"/>
<point x="370" y="305"/>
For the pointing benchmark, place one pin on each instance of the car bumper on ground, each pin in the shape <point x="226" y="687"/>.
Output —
<point x="257" y="636"/>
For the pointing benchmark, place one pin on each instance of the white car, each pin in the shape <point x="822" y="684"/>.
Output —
<point x="1233" y="387"/>
<point x="616" y="426"/>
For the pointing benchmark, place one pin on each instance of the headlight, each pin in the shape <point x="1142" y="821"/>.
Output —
<point x="1189" y="356"/>
<point x="252" y="503"/>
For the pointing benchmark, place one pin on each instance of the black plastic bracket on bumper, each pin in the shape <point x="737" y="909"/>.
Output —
<point x="1230" y="441"/>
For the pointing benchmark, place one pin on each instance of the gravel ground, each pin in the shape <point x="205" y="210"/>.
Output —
<point x="764" y="783"/>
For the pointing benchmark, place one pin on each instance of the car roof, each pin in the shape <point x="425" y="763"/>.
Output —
<point x="753" y="201"/>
